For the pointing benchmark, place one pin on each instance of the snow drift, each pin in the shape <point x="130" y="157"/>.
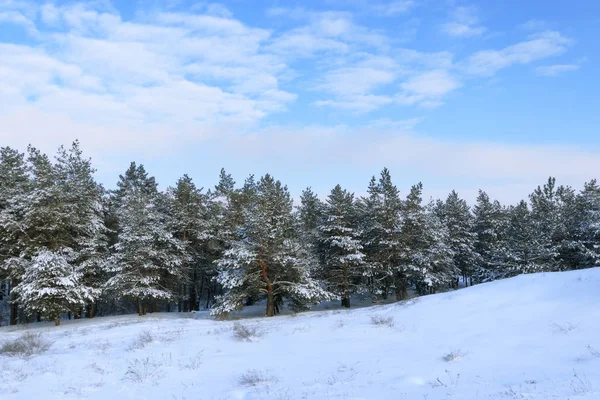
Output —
<point x="529" y="337"/>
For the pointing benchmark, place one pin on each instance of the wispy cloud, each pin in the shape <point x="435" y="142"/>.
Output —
<point x="16" y="17"/>
<point x="392" y="8"/>
<point x="555" y="70"/>
<point x="383" y="8"/>
<point x="324" y="150"/>
<point x="164" y="75"/>
<point x="464" y="22"/>
<point x="534" y="25"/>
<point x="539" y="46"/>
<point x="428" y="89"/>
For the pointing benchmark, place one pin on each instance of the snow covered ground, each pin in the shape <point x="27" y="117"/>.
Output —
<point x="529" y="337"/>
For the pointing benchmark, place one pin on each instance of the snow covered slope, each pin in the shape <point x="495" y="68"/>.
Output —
<point x="529" y="337"/>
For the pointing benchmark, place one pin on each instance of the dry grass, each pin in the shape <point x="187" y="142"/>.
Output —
<point x="141" y="370"/>
<point x="143" y="339"/>
<point x="246" y="333"/>
<point x="27" y="345"/>
<point x="453" y="355"/>
<point x="254" y="377"/>
<point x="378" y="320"/>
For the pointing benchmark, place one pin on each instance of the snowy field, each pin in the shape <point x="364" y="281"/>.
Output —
<point x="529" y="337"/>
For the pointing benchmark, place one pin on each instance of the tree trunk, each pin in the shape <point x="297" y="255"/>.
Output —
<point x="92" y="310"/>
<point x="200" y="293"/>
<point x="57" y="321"/>
<point x="398" y="290"/>
<point x="270" y="300"/>
<point x="139" y="306"/>
<point x="270" y="305"/>
<point x="346" y="300"/>
<point x="346" y="288"/>
<point x="193" y="296"/>
<point x="14" y="306"/>
<point x="404" y="288"/>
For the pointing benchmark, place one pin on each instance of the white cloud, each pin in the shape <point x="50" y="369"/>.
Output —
<point x="392" y="8"/>
<point x="162" y="80"/>
<point x="322" y="32"/>
<point x="321" y="152"/>
<point x="17" y="18"/>
<point x="534" y="25"/>
<point x="359" y="102"/>
<point x="427" y="89"/>
<point x="431" y="84"/>
<point x="464" y="22"/>
<point x="216" y="9"/>
<point x="352" y="86"/>
<point x="50" y="14"/>
<point x="539" y="46"/>
<point x="167" y="81"/>
<point x="462" y="30"/>
<point x="555" y="70"/>
<point x="388" y="8"/>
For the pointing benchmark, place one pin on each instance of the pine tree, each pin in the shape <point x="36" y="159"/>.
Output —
<point x="88" y="236"/>
<point x="381" y="212"/>
<point x="188" y="210"/>
<point x="309" y="216"/>
<point x="588" y="224"/>
<point x="51" y="286"/>
<point x="340" y="246"/>
<point x="379" y="275"/>
<point x="425" y="253"/>
<point x="572" y="252"/>
<point x="459" y="221"/>
<point x="310" y="213"/>
<point x="267" y="261"/>
<point x="515" y="252"/>
<point x="14" y="188"/>
<point x="439" y="264"/>
<point x="489" y="222"/>
<point x="146" y="259"/>
<point x="545" y="223"/>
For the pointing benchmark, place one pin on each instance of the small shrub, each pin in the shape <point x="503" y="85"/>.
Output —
<point x="27" y="345"/>
<point x="450" y="381"/>
<point x="142" y="370"/>
<point x="171" y="336"/>
<point x="102" y="346"/>
<point x="283" y="395"/>
<point x="378" y="320"/>
<point x="301" y="329"/>
<point x="254" y="377"/>
<point x="246" y="333"/>
<point x="511" y="392"/>
<point x="193" y="362"/>
<point x="593" y="351"/>
<point x="580" y="384"/>
<point x="564" y="328"/>
<point x="143" y="339"/>
<point x="454" y="355"/>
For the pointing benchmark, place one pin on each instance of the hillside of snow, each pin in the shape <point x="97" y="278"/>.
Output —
<point x="530" y="337"/>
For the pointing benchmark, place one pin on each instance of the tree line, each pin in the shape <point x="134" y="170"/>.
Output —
<point x="69" y="246"/>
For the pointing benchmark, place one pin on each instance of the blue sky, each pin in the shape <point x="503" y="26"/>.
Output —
<point x="458" y="95"/>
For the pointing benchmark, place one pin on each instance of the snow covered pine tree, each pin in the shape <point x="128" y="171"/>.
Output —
<point x="267" y="261"/>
